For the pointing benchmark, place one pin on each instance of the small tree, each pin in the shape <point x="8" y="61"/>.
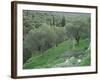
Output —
<point x="75" y="30"/>
<point x="63" y="22"/>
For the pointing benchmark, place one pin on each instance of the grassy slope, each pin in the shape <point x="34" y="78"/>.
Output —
<point x="51" y="57"/>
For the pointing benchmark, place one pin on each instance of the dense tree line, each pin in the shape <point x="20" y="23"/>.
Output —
<point x="43" y="30"/>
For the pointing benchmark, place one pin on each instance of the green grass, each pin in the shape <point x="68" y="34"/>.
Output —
<point x="51" y="57"/>
<point x="83" y="44"/>
<point x="86" y="61"/>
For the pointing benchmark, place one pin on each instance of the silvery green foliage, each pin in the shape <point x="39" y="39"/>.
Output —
<point x="43" y="30"/>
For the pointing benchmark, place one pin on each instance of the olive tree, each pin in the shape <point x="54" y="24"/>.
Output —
<point x="77" y="28"/>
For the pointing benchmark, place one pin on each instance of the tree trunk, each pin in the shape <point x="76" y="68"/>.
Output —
<point x="77" y="40"/>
